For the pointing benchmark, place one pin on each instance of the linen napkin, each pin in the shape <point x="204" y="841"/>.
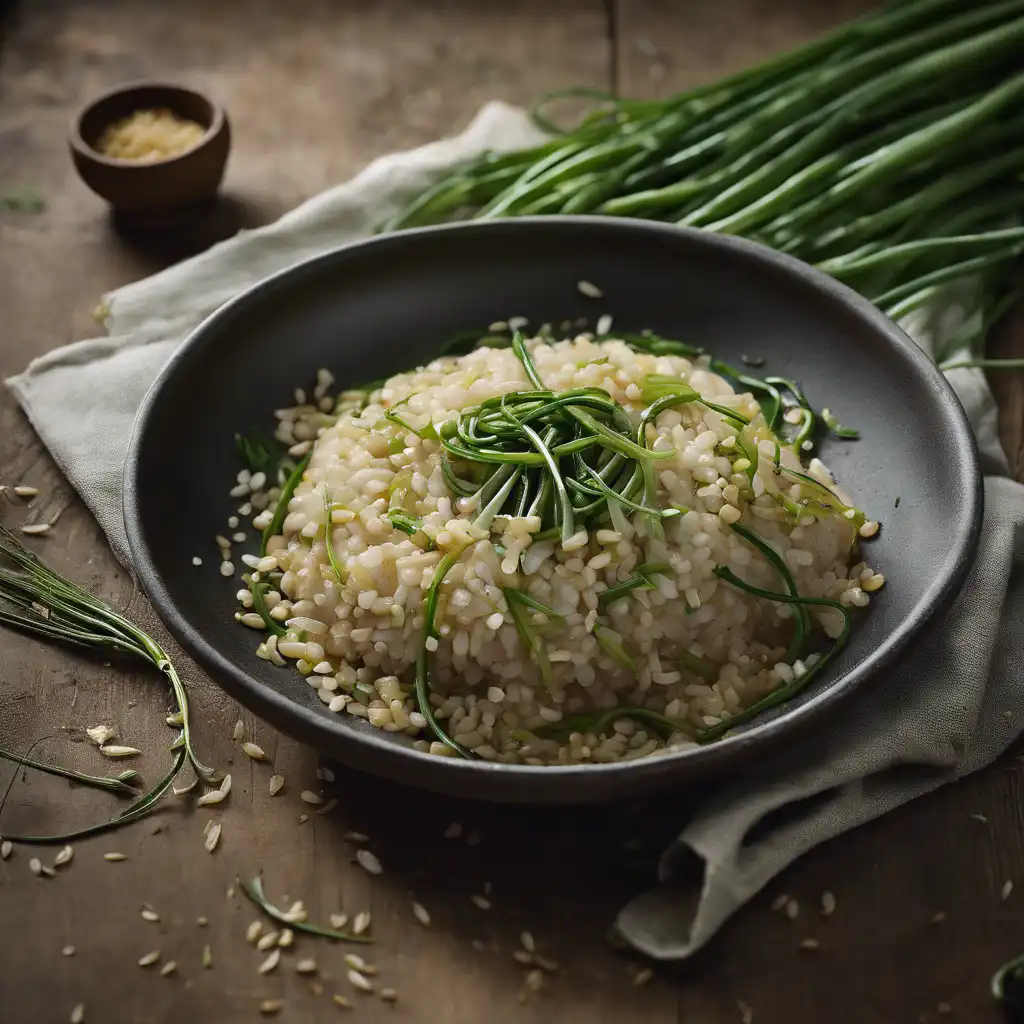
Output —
<point x="949" y="708"/>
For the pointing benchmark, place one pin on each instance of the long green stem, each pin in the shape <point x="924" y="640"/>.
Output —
<point x="121" y="785"/>
<point x="430" y="635"/>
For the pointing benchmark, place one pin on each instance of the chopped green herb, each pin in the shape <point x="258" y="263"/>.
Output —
<point x="257" y="453"/>
<point x="23" y="200"/>
<point x="847" y="433"/>
<point x="339" y="573"/>
<point x="639" y="580"/>
<point x="1007" y="988"/>
<point x="611" y="643"/>
<point x="423" y="655"/>
<point x="281" y="509"/>
<point x="787" y="691"/>
<point x="519" y="605"/>
<point x="259" y="604"/>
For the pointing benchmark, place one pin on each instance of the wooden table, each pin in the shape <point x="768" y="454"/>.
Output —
<point x="315" y="89"/>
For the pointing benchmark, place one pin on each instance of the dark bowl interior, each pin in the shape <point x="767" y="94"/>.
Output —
<point x="373" y="308"/>
<point x="172" y="184"/>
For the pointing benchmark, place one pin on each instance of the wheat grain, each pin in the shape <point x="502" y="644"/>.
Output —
<point x="212" y="838"/>
<point x="271" y="962"/>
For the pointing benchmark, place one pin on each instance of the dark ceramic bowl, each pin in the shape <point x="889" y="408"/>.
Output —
<point x="163" y="189"/>
<point x="373" y="308"/>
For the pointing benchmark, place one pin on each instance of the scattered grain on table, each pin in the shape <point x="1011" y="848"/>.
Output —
<point x="101" y="734"/>
<point x="828" y="903"/>
<point x="357" y="963"/>
<point x="148" y="959"/>
<point x="212" y="838"/>
<point x="276" y="784"/>
<point x="421" y="913"/>
<point x="359" y="981"/>
<point x="216" y="796"/>
<point x="271" y="962"/>
<point x="369" y="861"/>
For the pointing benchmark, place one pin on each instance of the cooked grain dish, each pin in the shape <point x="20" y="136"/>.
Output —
<point x="147" y="136"/>
<point x="430" y="591"/>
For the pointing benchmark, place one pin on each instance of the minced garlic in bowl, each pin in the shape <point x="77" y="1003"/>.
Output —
<point x="149" y="135"/>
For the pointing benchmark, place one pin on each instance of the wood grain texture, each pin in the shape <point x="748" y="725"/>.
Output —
<point x="315" y="89"/>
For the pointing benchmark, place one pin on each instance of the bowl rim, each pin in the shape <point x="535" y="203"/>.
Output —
<point x="306" y="723"/>
<point x="83" y="149"/>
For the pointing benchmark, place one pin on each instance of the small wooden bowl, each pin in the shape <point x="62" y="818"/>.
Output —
<point x="162" y="190"/>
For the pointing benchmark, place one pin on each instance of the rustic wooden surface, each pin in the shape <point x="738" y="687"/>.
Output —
<point x="315" y="89"/>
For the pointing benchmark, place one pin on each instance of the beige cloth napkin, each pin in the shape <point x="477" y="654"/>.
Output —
<point x="951" y="706"/>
